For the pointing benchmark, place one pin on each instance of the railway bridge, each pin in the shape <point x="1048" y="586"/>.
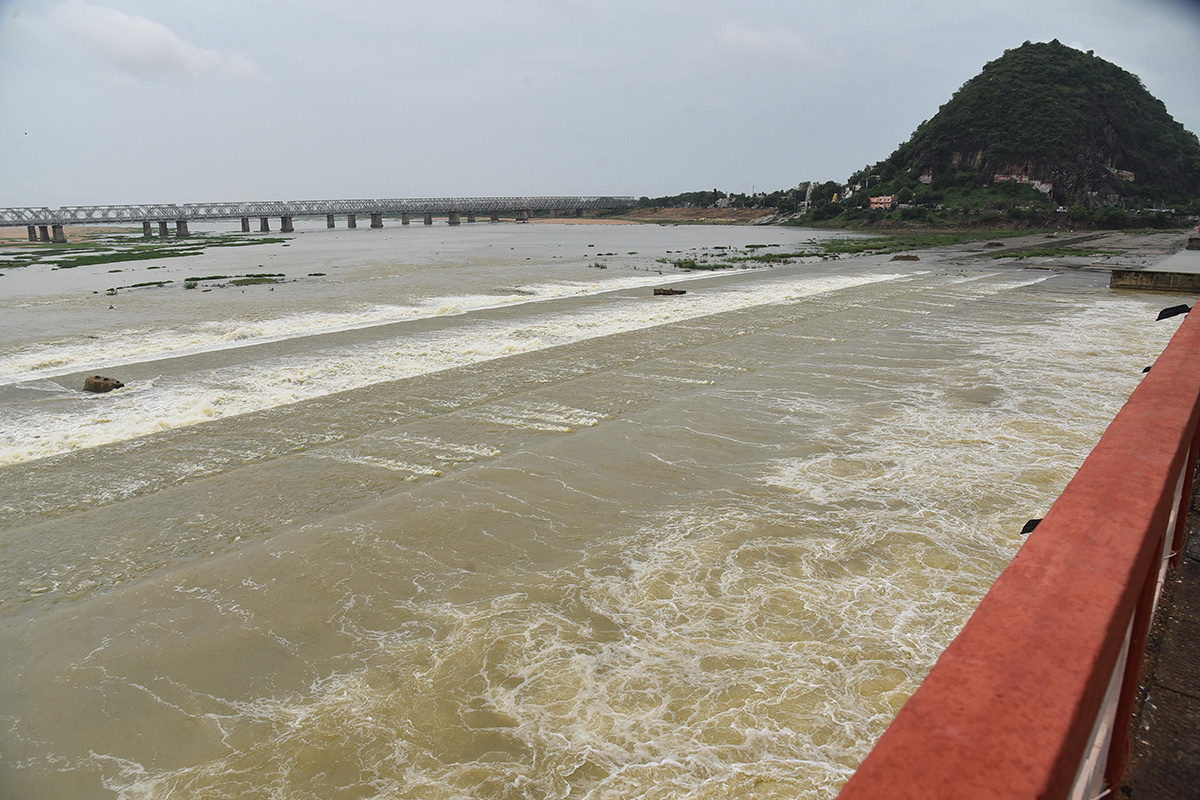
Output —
<point x="46" y="224"/>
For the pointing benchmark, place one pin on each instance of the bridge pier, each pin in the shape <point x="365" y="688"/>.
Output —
<point x="146" y="229"/>
<point x="162" y="228"/>
<point x="285" y="225"/>
<point x="377" y="220"/>
<point x="579" y="212"/>
<point x="351" y="220"/>
<point x="181" y="230"/>
<point x="32" y="230"/>
<point x="245" y="224"/>
<point x="454" y="220"/>
<point x="56" y="234"/>
<point x="495" y="216"/>
<point x="470" y="216"/>
<point x="43" y="233"/>
<point x="428" y="218"/>
<point x="264" y="224"/>
<point x="329" y="221"/>
<point x="403" y="217"/>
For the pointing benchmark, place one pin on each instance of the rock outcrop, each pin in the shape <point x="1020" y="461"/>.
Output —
<point x="99" y="383"/>
<point x="1064" y="122"/>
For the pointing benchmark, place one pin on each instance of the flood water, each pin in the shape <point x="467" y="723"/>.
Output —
<point x="467" y="516"/>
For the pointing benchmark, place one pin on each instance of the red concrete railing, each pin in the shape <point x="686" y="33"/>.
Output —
<point x="1033" y="698"/>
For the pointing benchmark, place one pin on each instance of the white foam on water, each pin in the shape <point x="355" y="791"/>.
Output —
<point x="752" y="644"/>
<point x="32" y="432"/>
<point x="44" y="359"/>
<point x="541" y="417"/>
<point x="721" y="652"/>
<point x="392" y="465"/>
<point x="444" y="451"/>
<point x="415" y="455"/>
<point x="665" y="678"/>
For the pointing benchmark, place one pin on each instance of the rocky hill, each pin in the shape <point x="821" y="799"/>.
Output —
<point x="1067" y="123"/>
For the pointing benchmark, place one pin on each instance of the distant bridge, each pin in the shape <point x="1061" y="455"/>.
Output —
<point x="46" y="224"/>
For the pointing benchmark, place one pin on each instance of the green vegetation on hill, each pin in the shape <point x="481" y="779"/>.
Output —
<point x="1046" y="112"/>
<point x="1082" y="143"/>
<point x="782" y="200"/>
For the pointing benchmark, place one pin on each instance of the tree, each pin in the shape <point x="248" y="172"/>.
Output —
<point x="824" y="192"/>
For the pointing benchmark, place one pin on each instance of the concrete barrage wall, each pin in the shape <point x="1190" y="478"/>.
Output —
<point x="1155" y="281"/>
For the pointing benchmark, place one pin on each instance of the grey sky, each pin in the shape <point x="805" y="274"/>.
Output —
<point x="121" y="101"/>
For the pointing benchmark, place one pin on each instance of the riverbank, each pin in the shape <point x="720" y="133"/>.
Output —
<point x="711" y="216"/>
<point x="920" y="219"/>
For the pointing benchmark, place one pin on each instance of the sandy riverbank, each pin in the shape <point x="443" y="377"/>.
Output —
<point x="584" y="221"/>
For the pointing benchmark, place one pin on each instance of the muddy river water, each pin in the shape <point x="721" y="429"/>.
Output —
<point x="472" y="513"/>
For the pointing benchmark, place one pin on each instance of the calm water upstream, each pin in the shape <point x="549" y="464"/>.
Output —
<point x="468" y="517"/>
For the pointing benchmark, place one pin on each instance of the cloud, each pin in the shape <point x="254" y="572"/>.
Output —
<point x="144" y="48"/>
<point x="778" y="44"/>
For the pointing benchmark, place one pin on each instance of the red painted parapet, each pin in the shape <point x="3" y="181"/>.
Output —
<point x="1033" y="698"/>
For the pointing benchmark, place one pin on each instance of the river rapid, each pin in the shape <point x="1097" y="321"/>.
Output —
<point x="468" y="516"/>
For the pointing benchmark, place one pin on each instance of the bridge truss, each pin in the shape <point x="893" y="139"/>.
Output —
<point x="170" y="212"/>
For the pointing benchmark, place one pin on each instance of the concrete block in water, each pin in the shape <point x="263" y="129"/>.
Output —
<point x="1155" y="281"/>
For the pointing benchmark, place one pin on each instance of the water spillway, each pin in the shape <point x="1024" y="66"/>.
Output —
<point x="1035" y="696"/>
<point x="467" y="515"/>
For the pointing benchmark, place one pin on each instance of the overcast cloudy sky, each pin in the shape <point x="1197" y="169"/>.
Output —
<point x="124" y="101"/>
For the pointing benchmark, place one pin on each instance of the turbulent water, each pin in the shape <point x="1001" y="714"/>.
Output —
<point x="467" y="516"/>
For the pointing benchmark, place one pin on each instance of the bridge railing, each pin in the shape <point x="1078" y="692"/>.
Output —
<point x="1034" y="697"/>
